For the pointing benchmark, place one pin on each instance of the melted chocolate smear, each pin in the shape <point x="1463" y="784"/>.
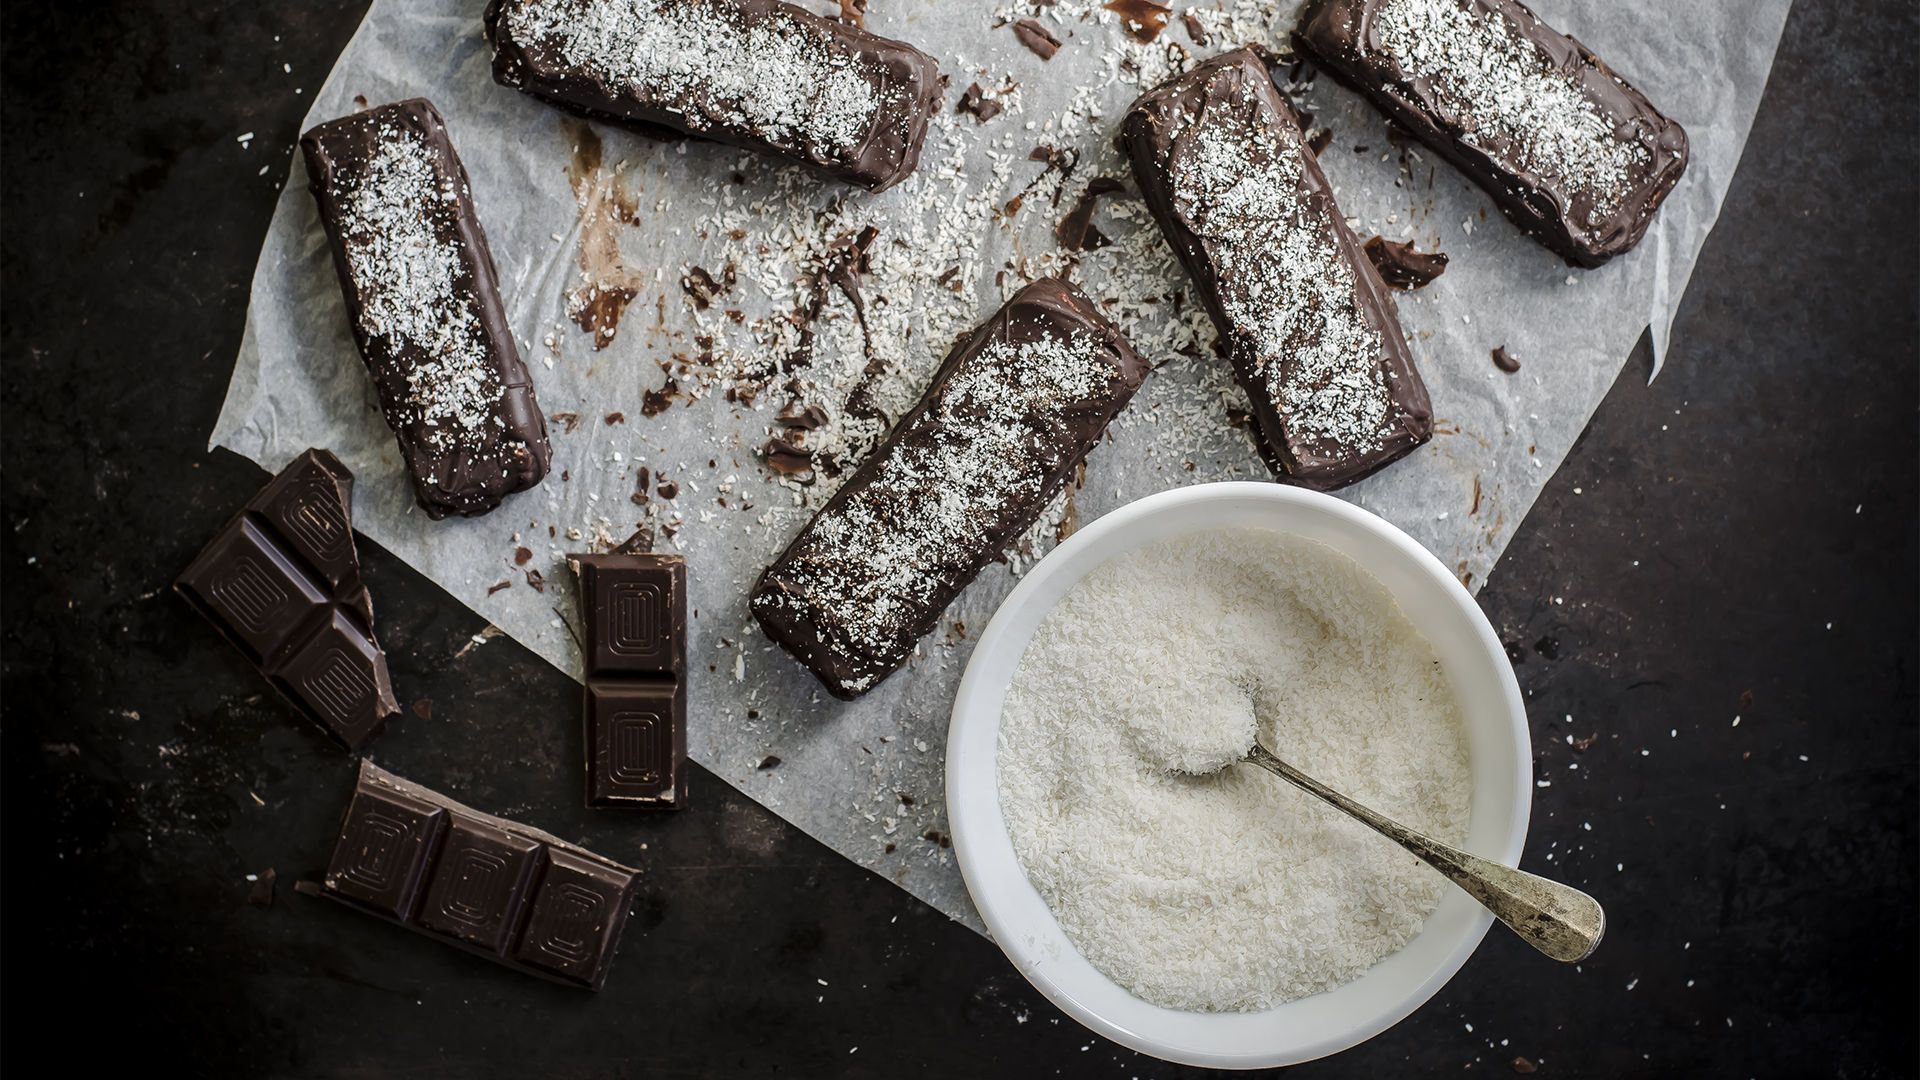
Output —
<point x="1402" y="267"/>
<point x="1143" y="19"/>
<point x="1037" y="38"/>
<point x="788" y="459"/>
<point x="1505" y="360"/>
<point x="655" y="402"/>
<point x="974" y="100"/>
<point x="600" y="311"/>
<point x="1076" y="231"/>
<point x="1196" y="30"/>
<point x="843" y="266"/>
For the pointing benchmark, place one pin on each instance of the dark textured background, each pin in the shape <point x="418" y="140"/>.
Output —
<point x="1738" y="539"/>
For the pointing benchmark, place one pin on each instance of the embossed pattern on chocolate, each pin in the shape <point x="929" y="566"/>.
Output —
<point x="507" y="891"/>
<point x="281" y="581"/>
<point x="634" y="607"/>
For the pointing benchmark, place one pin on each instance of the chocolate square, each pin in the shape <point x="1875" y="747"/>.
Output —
<point x="578" y="910"/>
<point x="386" y="843"/>
<point x="338" y="676"/>
<point x="635" y="751"/>
<point x="637" y="614"/>
<point x="307" y="508"/>
<point x="251" y="588"/>
<point x="479" y="884"/>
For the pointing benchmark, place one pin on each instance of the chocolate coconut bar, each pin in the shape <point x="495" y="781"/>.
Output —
<point x="760" y="74"/>
<point x="424" y="301"/>
<point x="1009" y="415"/>
<point x="1308" y="325"/>
<point x="1573" y="154"/>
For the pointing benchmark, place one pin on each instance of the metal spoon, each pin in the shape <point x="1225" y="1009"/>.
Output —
<point x="1557" y="919"/>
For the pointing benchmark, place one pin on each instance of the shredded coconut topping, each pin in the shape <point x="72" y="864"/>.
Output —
<point x="1509" y="92"/>
<point x="398" y="221"/>
<point x="973" y="459"/>
<point x="1285" y="285"/>
<point x="1232" y="891"/>
<point x="776" y="74"/>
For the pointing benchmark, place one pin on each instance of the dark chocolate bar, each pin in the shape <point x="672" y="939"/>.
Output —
<point x="281" y="581"/>
<point x="424" y="302"/>
<point x="1009" y="415"/>
<point x="759" y="74"/>
<point x="635" y="611"/>
<point x="1573" y="154"/>
<point x="1308" y="325"/>
<point x="504" y="890"/>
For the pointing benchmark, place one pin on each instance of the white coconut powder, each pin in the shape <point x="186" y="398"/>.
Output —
<point x="1232" y="891"/>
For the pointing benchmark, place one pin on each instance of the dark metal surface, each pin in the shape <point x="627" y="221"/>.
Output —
<point x="1737" y="540"/>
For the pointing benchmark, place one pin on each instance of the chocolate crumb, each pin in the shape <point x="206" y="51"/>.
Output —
<point x="1037" y="38"/>
<point x="613" y="418"/>
<point x="974" y="100"/>
<point x="938" y="837"/>
<point x="497" y="586"/>
<point x="890" y="847"/>
<point x="309" y="888"/>
<point x="1402" y="267"/>
<point x="768" y="762"/>
<point x="522" y="556"/>
<point x="655" y="402"/>
<point x="569" y="421"/>
<point x="261" y="894"/>
<point x="905" y="799"/>
<point x="1505" y="360"/>
<point x="423" y="708"/>
<point x="1196" y="30"/>
<point x="668" y="489"/>
<point x="753" y="714"/>
<point x="1522" y="1065"/>
<point x="360" y="101"/>
<point x="536" y="579"/>
<point x="1581" y="746"/>
<point x="1320" y="140"/>
<point x="853" y="12"/>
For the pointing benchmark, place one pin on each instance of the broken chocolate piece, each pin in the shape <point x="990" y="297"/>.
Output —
<point x="1401" y="266"/>
<point x="1575" y="156"/>
<point x="975" y="100"/>
<point x="761" y="74"/>
<point x="281" y="581"/>
<point x="507" y="891"/>
<point x="1008" y="417"/>
<point x="634" y="606"/>
<point x="1075" y="231"/>
<point x="1036" y="37"/>
<point x="1309" y="326"/>
<point x="1505" y="360"/>
<point x="424" y="302"/>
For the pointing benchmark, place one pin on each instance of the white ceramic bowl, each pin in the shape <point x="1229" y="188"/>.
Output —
<point x="1498" y="745"/>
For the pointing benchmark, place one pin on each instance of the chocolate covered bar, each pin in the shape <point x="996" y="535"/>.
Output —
<point x="1308" y="325"/>
<point x="760" y="74"/>
<point x="281" y="581"/>
<point x="507" y="891"/>
<point x="1009" y="415"/>
<point x="1573" y="154"/>
<point x="424" y="302"/>
<point x="635" y="611"/>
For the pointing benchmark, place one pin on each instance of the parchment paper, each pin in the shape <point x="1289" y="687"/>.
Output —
<point x="949" y="248"/>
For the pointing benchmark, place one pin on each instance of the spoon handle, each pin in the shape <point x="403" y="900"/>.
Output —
<point x="1557" y="919"/>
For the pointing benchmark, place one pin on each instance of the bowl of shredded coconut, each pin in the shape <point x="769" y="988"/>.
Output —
<point x="1200" y="910"/>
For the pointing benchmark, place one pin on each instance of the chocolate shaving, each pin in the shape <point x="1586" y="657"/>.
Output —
<point x="1143" y="19"/>
<point x="640" y="543"/>
<point x="1196" y="29"/>
<point x="569" y="421"/>
<point x="1505" y="360"/>
<point x="1320" y="140"/>
<point x="789" y="460"/>
<point x="613" y="418"/>
<point x="423" y="708"/>
<point x="768" y="762"/>
<point x="668" y="489"/>
<point x="1037" y="38"/>
<point x="655" y="402"/>
<point x="794" y="414"/>
<point x="499" y="585"/>
<point x="854" y="12"/>
<point x="261" y="894"/>
<point x="974" y="100"/>
<point x="535" y="579"/>
<point x="1076" y="231"/>
<point x="703" y="287"/>
<point x="1402" y="267"/>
